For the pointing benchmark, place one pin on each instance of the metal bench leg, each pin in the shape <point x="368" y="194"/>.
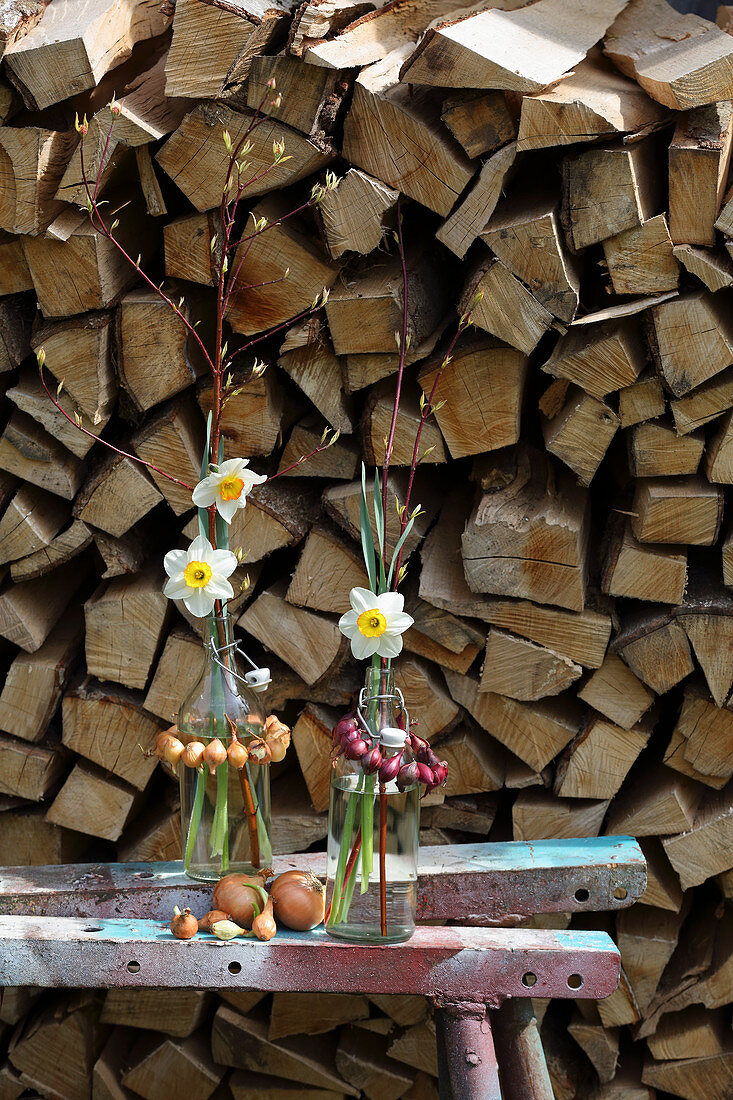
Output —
<point x="466" y="1059"/>
<point x="519" y="1052"/>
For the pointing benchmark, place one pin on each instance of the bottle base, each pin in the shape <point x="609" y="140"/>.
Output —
<point x="213" y="874"/>
<point x="367" y="936"/>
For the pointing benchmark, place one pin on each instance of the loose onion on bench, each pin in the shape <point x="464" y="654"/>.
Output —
<point x="299" y="899"/>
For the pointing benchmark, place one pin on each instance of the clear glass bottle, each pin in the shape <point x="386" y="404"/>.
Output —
<point x="373" y="827"/>
<point x="225" y="814"/>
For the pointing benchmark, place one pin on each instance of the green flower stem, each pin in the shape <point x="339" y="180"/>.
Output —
<point x="220" y="826"/>
<point x="193" y="825"/>
<point x="344" y="849"/>
<point x="367" y="832"/>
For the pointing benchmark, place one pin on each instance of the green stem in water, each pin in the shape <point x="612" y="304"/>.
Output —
<point x="193" y="825"/>
<point x="220" y="825"/>
<point x="367" y="832"/>
<point x="344" y="849"/>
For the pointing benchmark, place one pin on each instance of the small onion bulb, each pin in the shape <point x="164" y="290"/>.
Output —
<point x="299" y="899"/>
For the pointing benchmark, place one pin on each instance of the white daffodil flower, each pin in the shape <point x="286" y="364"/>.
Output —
<point x="199" y="576"/>
<point x="375" y="624"/>
<point x="227" y="486"/>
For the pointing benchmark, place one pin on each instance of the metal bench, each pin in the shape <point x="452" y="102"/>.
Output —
<point x="61" y="927"/>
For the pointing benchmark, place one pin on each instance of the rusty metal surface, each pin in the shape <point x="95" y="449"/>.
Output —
<point x="486" y="964"/>
<point x="479" y="884"/>
<point x="467" y="1063"/>
<point x="522" y="1065"/>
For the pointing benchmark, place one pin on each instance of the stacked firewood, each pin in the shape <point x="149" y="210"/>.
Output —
<point x="563" y="169"/>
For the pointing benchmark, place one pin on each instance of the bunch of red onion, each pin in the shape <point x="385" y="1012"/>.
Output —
<point x="354" y="743"/>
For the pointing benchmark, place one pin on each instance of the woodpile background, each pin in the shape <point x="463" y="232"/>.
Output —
<point x="572" y="653"/>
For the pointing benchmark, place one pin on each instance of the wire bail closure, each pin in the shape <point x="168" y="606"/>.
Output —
<point x="363" y="696"/>
<point x="259" y="679"/>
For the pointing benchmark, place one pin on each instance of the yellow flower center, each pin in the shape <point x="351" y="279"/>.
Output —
<point x="231" y="488"/>
<point x="372" y="623"/>
<point x="197" y="574"/>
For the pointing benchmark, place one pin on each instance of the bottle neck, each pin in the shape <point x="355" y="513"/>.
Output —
<point x="219" y="632"/>
<point x="380" y="703"/>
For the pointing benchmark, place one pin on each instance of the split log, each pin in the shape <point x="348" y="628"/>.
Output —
<point x="317" y="20"/>
<point x="30" y="397"/>
<point x="472" y="213"/>
<point x="214" y="43"/>
<point x="173" y="439"/>
<point x="643" y="400"/>
<point x="699" y="156"/>
<point x="297" y="1014"/>
<point x="70" y="52"/>
<point x="691" y="339"/>
<point x="35" y="682"/>
<point x="704" y="404"/>
<point x="642" y="572"/>
<point x="525" y="234"/>
<point x="307" y="641"/>
<point x="30" y="610"/>
<point x="365" y="309"/>
<point x="599" y="1044"/>
<point x="658" y="803"/>
<point x="147" y="327"/>
<point x="655" y="648"/>
<point x="68" y="544"/>
<point x="376" y="424"/>
<point x="593" y="100"/>
<point x="600" y="358"/>
<point x="173" y="1064"/>
<point x="617" y="693"/>
<point x="719" y="455"/>
<point x="342" y="503"/>
<point x="190" y="247"/>
<point x="31" y="520"/>
<point x="116" y="496"/>
<point x="357" y="214"/>
<point x="242" y="1042"/>
<point x="480" y="121"/>
<point x="75" y="268"/>
<point x="18" y="20"/>
<point x="689" y="65"/>
<point x="339" y="462"/>
<point x="313" y="744"/>
<point x="707" y="730"/>
<point x="467" y="813"/>
<point x="93" y="802"/>
<point x="475" y="763"/>
<point x="120" y="556"/>
<point x="154" y="835"/>
<point x="693" y="1033"/>
<point x="56" y="1048"/>
<point x="285" y="247"/>
<point x="399" y="138"/>
<point x="498" y="49"/>
<point x="361" y="1058"/>
<point x="581" y="433"/>
<point x="177" y="1012"/>
<point x="642" y="260"/>
<point x="597" y="762"/>
<point x="646" y="939"/>
<point x="125" y="620"/>
<point x="307" y="356"/>
<point x="252" y="420"/>
<point x="503" y="306"/>
<point x="704" y="849"/>
<point x="32" y="162"/>
<point x="195" y="157"/>
<point x="149" y="185"/>
<point x="311" y="96"/>
<point x="709" y="1074"/>
<point x="607" y="190"/>
<point x="110" y="727"/>
<point x="706" y="618"/>
<point x="14" y="274"/>
<point x="78" y="350"/>
<point x="681" y="510"/>
<point x="675" y="758"/>
<point x="714" y="269"/>
<point x="28" y="840"/>
<point x="663" y="888"/>
<point x="502" y="543"/>
<point x="177" y="670"/>
<point x="522" y="669"/>
<point x="483" y="389"/>
<point x="582" y="636"/>
<point x="656" y="450"/>
<point x="326" y="572"/>
<point x="539" y="815"/>
<point x="535" y="733"/>
<point x="430" y="704"/>
<point x="30" y="771"/>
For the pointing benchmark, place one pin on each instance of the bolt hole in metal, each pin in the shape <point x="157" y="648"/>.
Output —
<point x="582" y="894"/>
<point x="234" y="968"/>
<point x="133" y="966"/>
<point x="620" y="893"/>
<point x="575" y="981"/>
<point x="529" y="978"/>
<point x="93" y="928"/>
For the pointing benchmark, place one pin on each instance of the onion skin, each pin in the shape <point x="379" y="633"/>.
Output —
<point x="299" y="899"/>
<point x="172" y="750"/>
<point x="214" y="915"/>
<point x="237" y="755"/>
<point x="264" y="926"/>
<point x="237" y="895"/>
<point x="193" y="754"/>
<point x="214" y="754"/>
<point x="184" y="925"/>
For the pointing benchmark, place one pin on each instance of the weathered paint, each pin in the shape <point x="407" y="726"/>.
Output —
<point x="467" y="1062"/>
<point x="457" y="964"/>
<point x="524" y="1074"/>
<point x="479" y="884"/>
